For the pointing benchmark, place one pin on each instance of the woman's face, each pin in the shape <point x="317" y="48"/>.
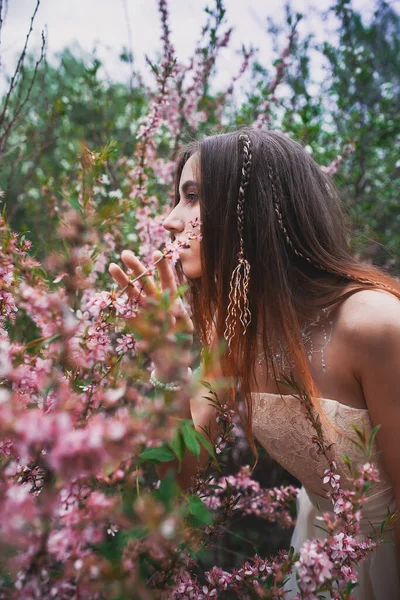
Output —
<point x="187" y="210"/>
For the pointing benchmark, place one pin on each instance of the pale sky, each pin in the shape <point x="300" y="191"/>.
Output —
<point x="103" y="23"/>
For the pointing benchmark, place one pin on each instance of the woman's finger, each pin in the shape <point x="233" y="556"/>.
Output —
<point x="167" y="277"/>
<point x="182" y="319"/>
<point x="123" y="280"/>
<point x="168" y="282"/>
<point x="134" y="264"/>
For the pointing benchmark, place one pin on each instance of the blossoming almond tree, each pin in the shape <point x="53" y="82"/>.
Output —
<point x="82" y="513"/>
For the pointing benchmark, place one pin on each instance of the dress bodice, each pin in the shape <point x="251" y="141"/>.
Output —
<point x="281" y="426"/>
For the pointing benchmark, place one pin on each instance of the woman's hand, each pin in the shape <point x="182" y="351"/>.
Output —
<point x="158" y="335"/>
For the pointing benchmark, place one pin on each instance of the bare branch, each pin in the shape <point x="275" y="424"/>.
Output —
<point x="130" y="44"/>
<point x="5" y="6"/>
<point x="20" y="107"/>
<point x="15" y="77"/>
<point x="22" y="97"/>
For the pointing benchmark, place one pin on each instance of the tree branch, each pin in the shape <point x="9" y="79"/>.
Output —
<point x="14" y="78"/>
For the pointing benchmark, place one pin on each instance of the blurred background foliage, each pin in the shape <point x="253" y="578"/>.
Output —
<point x="355" y="106"/>
<point x="351" y="117"/>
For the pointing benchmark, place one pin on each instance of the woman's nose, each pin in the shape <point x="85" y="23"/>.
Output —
<point x="173" y="222"/>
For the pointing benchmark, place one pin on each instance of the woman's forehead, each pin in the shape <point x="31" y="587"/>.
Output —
<point x="190" y="171"/>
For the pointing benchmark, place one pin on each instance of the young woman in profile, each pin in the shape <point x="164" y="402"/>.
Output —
<point x="273" y="275"/>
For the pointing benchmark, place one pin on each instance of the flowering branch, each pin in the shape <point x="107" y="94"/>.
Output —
<point x="146" y="132"/>
<point x="264" y="110"/>
<point x="337" y="162"/>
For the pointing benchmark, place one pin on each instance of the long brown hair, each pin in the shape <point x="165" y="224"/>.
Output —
<point x="283" y="284"/>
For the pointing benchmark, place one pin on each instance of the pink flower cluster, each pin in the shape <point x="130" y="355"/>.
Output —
<point x="329" y="564"/>
<point x="252" y="575"/>
<point x="275" y="505"/>
<point x="326" y="565"/>
<point x="281" y="65"/>
<point x="337" y="162"/>
<point x="79" y="425"/>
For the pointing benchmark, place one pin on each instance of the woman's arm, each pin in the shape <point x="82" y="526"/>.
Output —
<point x="169" y="359"/>
<point x="203" y="414"/>
<point x="375" y="342"/>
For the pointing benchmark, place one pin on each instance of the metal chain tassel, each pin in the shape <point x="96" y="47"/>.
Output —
<point x="238" y="308"/>
<point x="238" y="300"/>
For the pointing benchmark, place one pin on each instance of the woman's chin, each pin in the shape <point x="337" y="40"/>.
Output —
<point x="190" y="271"/>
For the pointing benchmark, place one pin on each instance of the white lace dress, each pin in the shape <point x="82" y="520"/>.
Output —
<point x="281" y="426"/>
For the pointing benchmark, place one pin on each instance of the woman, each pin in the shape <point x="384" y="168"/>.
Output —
<point x="273" y="275"/>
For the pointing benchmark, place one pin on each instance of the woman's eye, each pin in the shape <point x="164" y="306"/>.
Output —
<point x="191" y="197"/>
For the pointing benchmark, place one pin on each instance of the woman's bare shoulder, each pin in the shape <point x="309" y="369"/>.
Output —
<point x="369" y="313"/>
<point x="368" y="331"/>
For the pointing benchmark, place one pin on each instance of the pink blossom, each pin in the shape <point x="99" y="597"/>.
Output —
<point x="314" y="565"/>
<point x="5" y="359"/>
<point x="95" y="303"/>
<point x="343" y="546"/>
<point x="126" y="307"/>
<point x="332" y="478"/>
<point x="126" y="344"/>
<point x="7" y="274"/>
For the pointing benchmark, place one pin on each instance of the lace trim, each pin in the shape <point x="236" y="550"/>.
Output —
<point x="282" y="428"/>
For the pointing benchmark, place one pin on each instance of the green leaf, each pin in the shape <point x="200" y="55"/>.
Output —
<point x="168" y="489"/>
<point x="199" y="510"/>
<point x="347" y="462"/>
<point x="361" y="446"/>
<point x="178" y="445"/>
<point x="212" y="401"/>
<point x="112" y="547"/>
<point x="366" y="486"/>
<point x="159" y="454"/>
<point x="371" y="439"/>
<point x="361" y="434"/>
<point x="322" y="528"/>
<point x="74" y="202"/>
<point x="390" y="519"/>
<point x="350" y="586"/>
<point x="206" y="444"/>
<point x="190" y="439"/>
<point x="208" y="386"/>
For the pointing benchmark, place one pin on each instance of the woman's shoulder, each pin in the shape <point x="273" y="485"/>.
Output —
<point x="367" y="329"/>
<point x="369" y="315"/>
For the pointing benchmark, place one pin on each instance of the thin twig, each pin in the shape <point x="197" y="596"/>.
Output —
<point x="18" y="67"/>
<point x="2" y="19"/>
<point x="130" y="43"/>
<point x="146" y="272"/>
<point x="240" y="537"/>
<point x="4" y="137"/>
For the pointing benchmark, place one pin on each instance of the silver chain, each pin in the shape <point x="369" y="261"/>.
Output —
<point x="282" y="359"/>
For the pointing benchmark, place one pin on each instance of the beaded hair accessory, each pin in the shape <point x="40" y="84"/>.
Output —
<point x="239" y="285"/>
<point x="238" y="295"/>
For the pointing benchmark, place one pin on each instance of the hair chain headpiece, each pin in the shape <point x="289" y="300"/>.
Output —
<point x="238" y="307"/>
<point x="278" y="212"/>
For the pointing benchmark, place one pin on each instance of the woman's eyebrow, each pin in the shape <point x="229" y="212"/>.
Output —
<point x="188" y="184"/>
